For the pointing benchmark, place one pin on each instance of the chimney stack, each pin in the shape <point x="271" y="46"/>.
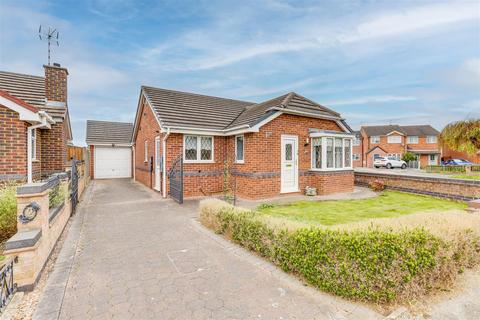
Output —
<point x="56" y="83"/>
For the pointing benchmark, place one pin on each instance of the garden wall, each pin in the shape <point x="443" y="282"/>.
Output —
<point x="439" y="187"/>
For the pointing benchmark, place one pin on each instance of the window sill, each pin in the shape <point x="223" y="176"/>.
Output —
<point x="35" y="160"/>
<point x="198" y="161"/>
<point x="239" y="162"/>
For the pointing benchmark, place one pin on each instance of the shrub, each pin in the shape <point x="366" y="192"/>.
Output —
<point x="56" y="196"/>
<point x="408" y="156"/>
<point x="8" y="211"/>
<point x="376" y="185"/>
<point x="372" y="265"/>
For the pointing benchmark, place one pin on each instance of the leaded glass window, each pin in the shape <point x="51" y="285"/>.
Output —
<point x="190" y="148"/>
<point x="206" y="148"/>
<point x="288" y="151"/>
<point x="317" y="153"/>
<point x="329" y="152"/>
<point x="338" y="153"/>
<point x="347" y="152"/>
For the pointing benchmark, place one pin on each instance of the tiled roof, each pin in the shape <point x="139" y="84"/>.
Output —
<point x="107" y="132"/>
<point x="182" y="109"/>
<point x="411" y="130"/>
<point x="189" y="110"/>
<point x="30" y="89"/>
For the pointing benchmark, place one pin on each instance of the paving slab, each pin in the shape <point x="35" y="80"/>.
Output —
<point x="132" y="255"/>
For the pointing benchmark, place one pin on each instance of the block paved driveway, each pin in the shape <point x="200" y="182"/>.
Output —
<point x="132" y="255"/>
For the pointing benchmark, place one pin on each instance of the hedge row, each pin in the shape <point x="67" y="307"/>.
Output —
<point x="370" y="265"/>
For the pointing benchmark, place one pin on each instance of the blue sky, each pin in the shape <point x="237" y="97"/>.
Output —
<point x="376" y="62"/>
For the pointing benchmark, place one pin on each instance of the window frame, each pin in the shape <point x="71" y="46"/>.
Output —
<point x="33" y="138"/>
<point x="145" y="150"/>
<point x="199" y="149"/>
<point x="394" y="142"/>
<point x="373" y="139"/>
<point x="412" y="142"/>
<point x="432" y="142"/>
<point x="240" y="161"/>
<point x="324" y="144"/>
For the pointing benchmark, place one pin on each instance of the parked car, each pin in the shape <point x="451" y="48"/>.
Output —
<point x="457" y="162"/>
<point x="389" y="163"/>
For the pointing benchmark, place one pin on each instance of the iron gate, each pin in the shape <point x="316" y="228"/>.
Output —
<point x="74" y="185"/>
<point x="7" y="286"/>
<point x="175" y="175"/>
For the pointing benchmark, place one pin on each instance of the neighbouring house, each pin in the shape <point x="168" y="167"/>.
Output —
<point x="259" y="150"/>
<point x="34" y="124"/>
<point x="396" y="140"/>
<point x="110" y="145"/>
<point x="448" y="154"/>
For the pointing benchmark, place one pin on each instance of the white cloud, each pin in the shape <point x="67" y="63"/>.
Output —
<point x="370" y="99"/>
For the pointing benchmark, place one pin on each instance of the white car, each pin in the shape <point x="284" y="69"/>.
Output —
<point x="389" y="163"/>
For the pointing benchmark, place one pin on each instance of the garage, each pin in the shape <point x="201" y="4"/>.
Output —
<point x="112" y="162"/>
<point x="110" y="145"/>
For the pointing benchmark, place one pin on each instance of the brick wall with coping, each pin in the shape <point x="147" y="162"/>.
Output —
<point x="440" y="187"/>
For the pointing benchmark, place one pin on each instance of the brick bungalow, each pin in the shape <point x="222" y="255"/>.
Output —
<point x="395" y="140"/>
<point x="34" y="124"/>
<point x="270" y="148"/>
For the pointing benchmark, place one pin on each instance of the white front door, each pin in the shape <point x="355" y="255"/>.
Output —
<point x="433" y="159"/>
<point x="289" y="164"/>
<point x="157" y="163"/>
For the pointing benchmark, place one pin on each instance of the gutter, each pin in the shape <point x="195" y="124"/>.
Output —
<point x="164" y="163"/>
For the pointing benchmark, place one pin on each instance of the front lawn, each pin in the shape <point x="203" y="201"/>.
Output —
<point x="388" y="204"/>
<point x="468" y="177"/>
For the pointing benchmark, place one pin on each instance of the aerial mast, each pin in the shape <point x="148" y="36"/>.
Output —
<point x="49" y="35"/>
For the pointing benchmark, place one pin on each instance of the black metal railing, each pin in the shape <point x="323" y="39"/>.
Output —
<point x="7" y="286"/>
<point x="74" y="185"/>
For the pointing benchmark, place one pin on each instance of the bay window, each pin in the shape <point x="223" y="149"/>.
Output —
<point x="331" y="151"/>
<point x="197" y="148"/>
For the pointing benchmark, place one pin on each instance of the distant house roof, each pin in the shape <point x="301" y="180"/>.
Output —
<point x="107" y="132"/>
<point x="177" y="109"/>
<point x="30" y="89"/>
<point x="374" y="148"/>
<point x="411" y="130"/>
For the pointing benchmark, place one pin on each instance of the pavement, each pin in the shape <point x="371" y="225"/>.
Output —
<point x="129" y="254"/>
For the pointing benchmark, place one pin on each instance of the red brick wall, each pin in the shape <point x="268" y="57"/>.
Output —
<point x="13" y="144"/>
<point x="53" y="148"/>
<point x="147" y="131"/>
<point x="56" y="83"/>
<point x="259" y="176"/>
<point x="440" y="187"/>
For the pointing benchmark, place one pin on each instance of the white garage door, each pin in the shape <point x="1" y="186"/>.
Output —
<point x="113" y="162"/>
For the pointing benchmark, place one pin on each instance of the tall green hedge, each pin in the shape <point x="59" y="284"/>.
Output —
<point x="371" y="265"/>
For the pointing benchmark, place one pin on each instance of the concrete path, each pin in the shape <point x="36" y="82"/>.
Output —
<point x="132" y="255"/>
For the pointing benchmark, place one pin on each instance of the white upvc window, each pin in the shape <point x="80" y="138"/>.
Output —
<point x="34" y="144"/>
<point x="394" y="139"/>
<point x="431" y="139"/>
<point x="412" y="139"/>
<point x="197" y="149"/>
<point x="375" y="139"/>
<point x="145" y="148"/>
<point x="239" y="149"/>
<point x="331" y="152"/>
<point x="356" y="141"/>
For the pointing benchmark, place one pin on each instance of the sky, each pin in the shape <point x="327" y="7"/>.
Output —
<point x="375" y="62"/>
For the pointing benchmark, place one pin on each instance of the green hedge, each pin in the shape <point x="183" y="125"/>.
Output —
<point x="369" y="265"/>
<point x="8" y="212"/>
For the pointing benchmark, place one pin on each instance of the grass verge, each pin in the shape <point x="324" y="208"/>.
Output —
<point x="369" y="264"/>
<point x="388" y="204"/>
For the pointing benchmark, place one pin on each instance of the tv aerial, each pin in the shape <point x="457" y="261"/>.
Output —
<point x="50" y="35"/>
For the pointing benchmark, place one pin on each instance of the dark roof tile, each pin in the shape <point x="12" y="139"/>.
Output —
<point x="107" y="132"/>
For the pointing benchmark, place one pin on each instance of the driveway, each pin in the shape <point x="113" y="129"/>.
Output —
<point x="132" y="255"/>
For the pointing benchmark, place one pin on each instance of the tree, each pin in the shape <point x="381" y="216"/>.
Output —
<point x="408" y="156"/>
<point x="463" y="136"/>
